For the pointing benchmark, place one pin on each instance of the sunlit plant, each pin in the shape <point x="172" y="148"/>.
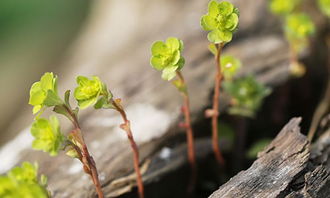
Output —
<point x="324" y="5"/>
<point x="164" y="55"/>
<point x="298" y="27"/>
<point x="47" y="134"/>
<point x="246" y="95"/>
<point x="23" y="182"/>
<point x="222" y="21"/>
<point x="93" y="92"/>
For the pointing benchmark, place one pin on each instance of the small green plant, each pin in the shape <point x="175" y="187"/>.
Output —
<point x="164" y="56"/>
<point x="23" y="182"/>
<point x="93" y="92"/>
<point x="324" y="6"/>
<point x="48" y="137"/>
<point x="298" y="27"/>
<point x="222" y="21"/>
<point x="246" y="94"/>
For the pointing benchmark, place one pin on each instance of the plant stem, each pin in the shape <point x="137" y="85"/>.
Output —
<point x="215" y="107"/>
<point x="189" y="133"/>
<point x="86" y="158"/>
<point x="127" y="127"/>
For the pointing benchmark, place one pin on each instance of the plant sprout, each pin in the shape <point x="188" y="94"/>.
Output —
<point x="247" y="95"/>
<point x="23" y="181"/>
<point x="298" y="27"/>
<point x="164" y="55"/>
<point x="94" y="92"/>
<point x="222" y="21"/>
<point x="48" y="137"/>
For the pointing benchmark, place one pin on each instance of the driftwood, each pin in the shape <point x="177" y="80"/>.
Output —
<point x="287" y="167"/>
<point x="125" y="68"/>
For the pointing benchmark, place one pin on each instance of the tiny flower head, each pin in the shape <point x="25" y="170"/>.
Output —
<point x="89" y="90"/>
<point x="221" y="20"/>
<point x="229" y="66"/>
<point x="48" y="137"/>
<point x="44" y="92"/>
<point x="167" y="57"/>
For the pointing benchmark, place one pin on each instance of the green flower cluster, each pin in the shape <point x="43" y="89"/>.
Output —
<point x="247" y="95"/>
<point x="325" y="6"/>
<point x="44" y="93"/>
<point x="229" y="66"/>
<point x="298" y="27"/>
<point x="167" y="57"/>
<point x="283" y="7"/>
<point x="22" y="182"/>
<point x="89" y="90"/>
<point x="47" y="134"/>
<point x="221" y="20"/>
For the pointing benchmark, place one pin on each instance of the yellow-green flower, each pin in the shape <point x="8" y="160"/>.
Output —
<point x="47" y="134"/>
<point x="221" y="20"/>
<point x="88" y="91"/>
<point x="44" y="92"/>
<point x="283" y="7"/>
<point x="22" y="182"/>
<point x="166" y="57"/>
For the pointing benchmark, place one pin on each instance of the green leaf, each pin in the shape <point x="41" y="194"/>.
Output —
<point x="213" y="49"/>
<point x="175" y="58"/>
<point x="67" y="98"/>
<point x="48" y="137"/>
<point x="226" y="36"/>
<point x="257" y="147"/>
<point x="173" y="43"/>
<point x="209" y="23"/>
<point x="225" y="8"/>
<point x="283" y="7"/>
<point x="100" y="103"/>
<point x="44" y="92"/>
<point x="158" y="47"/>
<point x="213" y="8"/>
<point x="229" y="66"/>
<point x="232" y="22"/>
<point x="169" y="73"/>
<point x="324" y="6"/>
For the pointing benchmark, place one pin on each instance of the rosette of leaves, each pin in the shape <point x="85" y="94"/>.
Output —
<point x="246" y="94"/>
<point x="221" y="20"/>
<point x="283" y="7"/>
<point x="298" y="27"/>
<point x="89" y="91"/>
<point x="229" y="66"/>
<point x="47" y="134"/>
<point x="167" y="57"/>
<point x="23" y="182"/>
<point x="44" y="93"/>
<point x="325" y="7"/>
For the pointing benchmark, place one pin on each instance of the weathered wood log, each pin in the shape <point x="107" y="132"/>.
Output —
<point x="287" y="167"/>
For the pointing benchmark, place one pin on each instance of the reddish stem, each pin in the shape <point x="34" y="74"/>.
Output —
<point x="215" y="107"/>
<point x="86" y="158"/>
<point x="126" y="127"/>
<point x="189" y="133"/>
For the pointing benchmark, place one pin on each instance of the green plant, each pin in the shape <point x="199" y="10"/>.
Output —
<point x="23" y="182"/>
<point x="222" y="21"/>
<point x="298" y="27"/>
<point x="48" y="137"/>
<point x="246" y="94"/>
<point x="164" y="55"/>
<point x="94" y="92"/>
<point x="324" y="6"/>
